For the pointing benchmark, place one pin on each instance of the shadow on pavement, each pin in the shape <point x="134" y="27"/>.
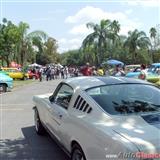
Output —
<point x="31" y="147"/>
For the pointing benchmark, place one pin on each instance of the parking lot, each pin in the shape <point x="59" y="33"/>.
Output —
<point x="18" y="139"/>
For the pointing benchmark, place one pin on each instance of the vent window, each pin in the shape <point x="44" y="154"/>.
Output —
<point x="81" y="105"/>
<point x="75" y="104"/>
<point x="79" y="102"/>
<point x="86" y="107"/>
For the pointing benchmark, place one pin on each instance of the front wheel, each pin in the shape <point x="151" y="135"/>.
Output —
<point x="3" y="88"/>
<point x="77" y="153"/>
<point x="38" y="125"/>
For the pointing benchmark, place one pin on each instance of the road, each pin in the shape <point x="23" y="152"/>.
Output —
<point x="18" y="139"/>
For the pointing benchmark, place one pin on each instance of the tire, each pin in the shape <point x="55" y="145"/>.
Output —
<point x="3" y="88"/>
<point x="77" y="153"/>
<point x="40" y="130"/>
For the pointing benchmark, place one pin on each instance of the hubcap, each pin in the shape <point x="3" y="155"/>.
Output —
<point x="1" y="88"/>
<point x="77" y="155"/>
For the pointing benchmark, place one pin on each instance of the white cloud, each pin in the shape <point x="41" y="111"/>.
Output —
<point x="129" y="11"/>
<point x="62" y="40"/>
<point x="69" y="44"/>
<point x="93" y="14"/>
<point x="80" y="30"/>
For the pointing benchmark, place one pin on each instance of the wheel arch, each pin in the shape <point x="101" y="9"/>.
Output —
<point x="4" y="84"/>
<point x="74" y="142"/>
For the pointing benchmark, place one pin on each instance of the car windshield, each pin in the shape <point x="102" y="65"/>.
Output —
<point x="152" y="68"/>
<point x="127" y="98"/>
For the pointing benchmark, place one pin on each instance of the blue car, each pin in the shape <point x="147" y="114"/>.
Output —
<point x="6" y="83"/>
<point x="153" y="70"/>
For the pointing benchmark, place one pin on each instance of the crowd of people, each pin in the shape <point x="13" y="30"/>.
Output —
<point x="64" y="72"/>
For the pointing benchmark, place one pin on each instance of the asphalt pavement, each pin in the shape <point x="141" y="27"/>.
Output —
<point x="18" y="139"/>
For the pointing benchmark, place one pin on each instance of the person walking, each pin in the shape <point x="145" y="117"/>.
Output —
<point x="143" y="72"/>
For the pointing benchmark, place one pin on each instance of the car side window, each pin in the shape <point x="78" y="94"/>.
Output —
<point x="63" y="96"/>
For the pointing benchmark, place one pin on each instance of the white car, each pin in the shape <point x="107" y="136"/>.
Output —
<point x="99" y="118"/>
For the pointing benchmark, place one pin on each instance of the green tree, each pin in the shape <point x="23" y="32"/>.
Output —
<point x="50" y="49"/>
<point x="104" y="38"/>
<point x="9" y="37"/>
<point x="27" y="42"/>
<point x="136" y="40"/>
<point x="98" y="38"/>
<point x="153" y="34"/>
<point x="72" y="57"/>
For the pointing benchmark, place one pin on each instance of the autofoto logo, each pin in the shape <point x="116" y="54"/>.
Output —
<point x="130" y="155"/>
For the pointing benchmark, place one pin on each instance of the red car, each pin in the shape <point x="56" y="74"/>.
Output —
<point x="33" y="75"/>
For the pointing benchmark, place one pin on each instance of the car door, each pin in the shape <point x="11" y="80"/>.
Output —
<point x="58" y="111"/>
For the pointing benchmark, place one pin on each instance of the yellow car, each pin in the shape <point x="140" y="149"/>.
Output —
<point x="15" y="73"/>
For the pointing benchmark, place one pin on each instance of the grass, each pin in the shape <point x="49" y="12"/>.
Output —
<point x="20" y="83"/>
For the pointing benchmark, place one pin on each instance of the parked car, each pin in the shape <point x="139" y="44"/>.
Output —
<point x="132" y="67"/>
<point x="33" y="75"/>
<point x="96" y="117"/>
<point x="15" y="73"/>
<point x="6" y="83"/>
<point x="3" y="72"/>
<point x="153" y="70"/>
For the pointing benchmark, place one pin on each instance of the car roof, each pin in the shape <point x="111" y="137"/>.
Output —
<point x="156" y="64"/>
<point x="86" y="82"/>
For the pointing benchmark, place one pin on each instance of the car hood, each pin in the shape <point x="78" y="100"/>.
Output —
<point x="143" y="131"/>
<point x="132" y="74"/>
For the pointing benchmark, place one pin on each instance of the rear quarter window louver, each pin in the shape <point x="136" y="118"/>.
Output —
<point x="81" y="105"/>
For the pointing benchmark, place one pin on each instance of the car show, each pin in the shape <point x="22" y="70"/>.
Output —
<point x="80" y="80"/>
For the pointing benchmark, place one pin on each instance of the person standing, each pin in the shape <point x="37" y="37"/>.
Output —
<point x="143" y="72"/>
<point x="86" y="70"/>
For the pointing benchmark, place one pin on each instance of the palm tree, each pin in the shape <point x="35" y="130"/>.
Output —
<point x="98" y="38"/>
<point x="115" y="28"/>
<point x="27" y="41"/>
<point x="136" y="40"/>
<point x="153" y="34"/>
<point x="50" y="49"/>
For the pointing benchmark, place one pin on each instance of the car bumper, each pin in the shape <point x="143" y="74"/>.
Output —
<point x="10" y="85"/>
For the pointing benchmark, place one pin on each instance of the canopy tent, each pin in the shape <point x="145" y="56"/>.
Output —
<point x="113" y="62"/>
<point x="34" y="65"/>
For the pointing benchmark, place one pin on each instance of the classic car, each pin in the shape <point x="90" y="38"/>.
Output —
<point x="32" y="75"/>
<point x="153" y="70"/>
<point x="3" y="72"/>
<point x="6" y="83"/>
<point x="15" y="73"/>
<point x="98" y="118"/>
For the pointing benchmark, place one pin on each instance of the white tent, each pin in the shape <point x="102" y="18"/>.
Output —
<point x="34" y="65"/>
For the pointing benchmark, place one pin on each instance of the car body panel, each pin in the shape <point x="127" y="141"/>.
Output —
<point x="97" y="132"/>
<point x="8" y="81"/>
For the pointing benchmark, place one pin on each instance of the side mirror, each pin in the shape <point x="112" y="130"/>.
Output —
<point x="51" y="98"/>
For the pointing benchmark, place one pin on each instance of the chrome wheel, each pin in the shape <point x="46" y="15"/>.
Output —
<point x="3" y="88"/>
<point x="77" y="155"/>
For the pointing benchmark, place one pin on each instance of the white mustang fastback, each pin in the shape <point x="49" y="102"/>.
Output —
<point x="99" y="118"/>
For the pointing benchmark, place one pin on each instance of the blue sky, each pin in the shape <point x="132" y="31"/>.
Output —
<point x="65" y="20"/>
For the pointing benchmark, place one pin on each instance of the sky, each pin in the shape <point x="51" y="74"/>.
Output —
<point x="65" y="20"/>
